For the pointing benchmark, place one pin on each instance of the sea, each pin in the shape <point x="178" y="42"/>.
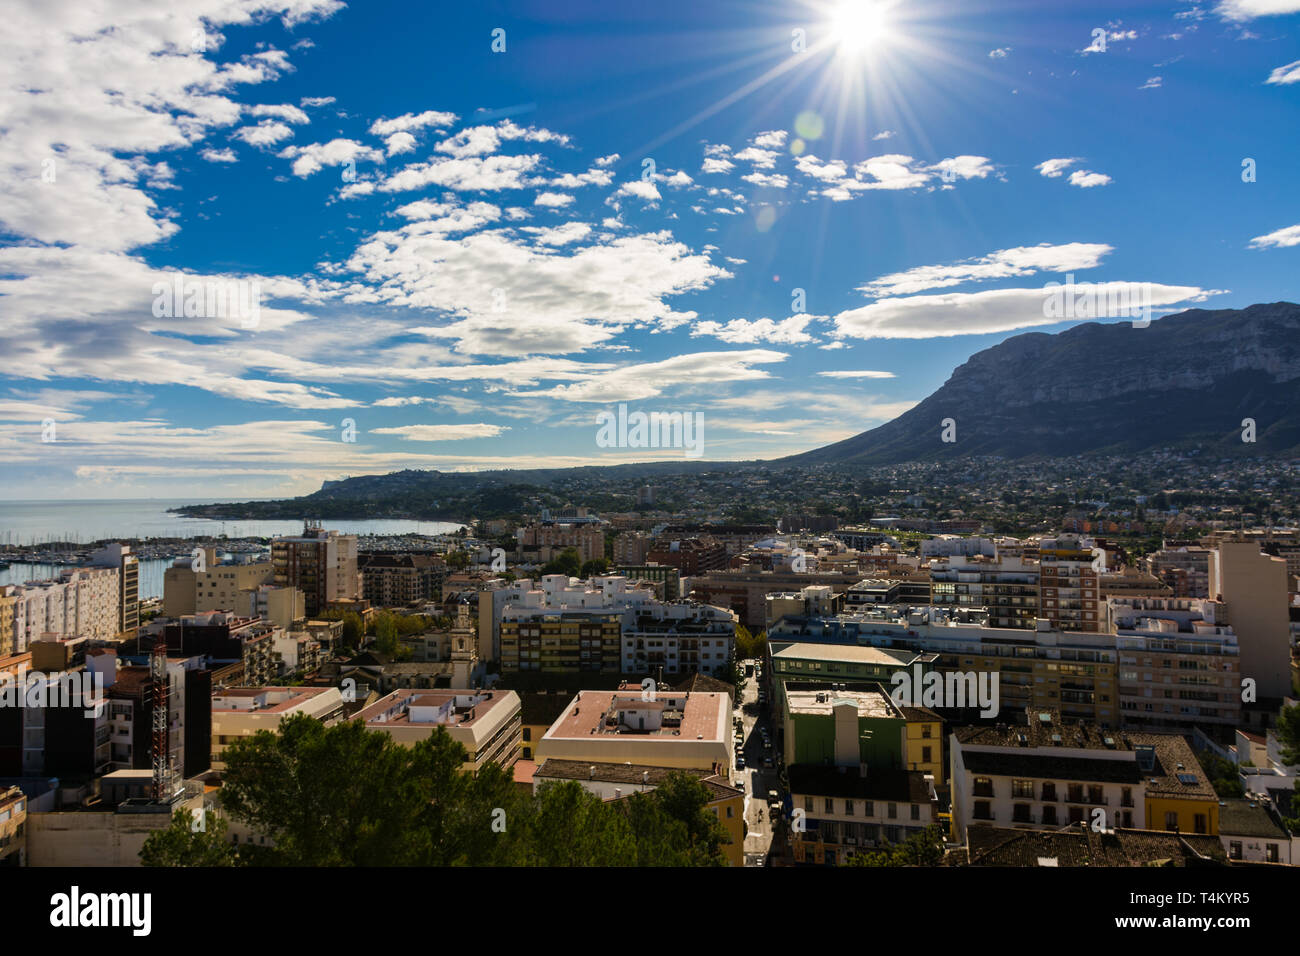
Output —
<point x="83" y="522"/>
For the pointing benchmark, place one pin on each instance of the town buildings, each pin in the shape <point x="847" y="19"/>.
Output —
<point x="321" y="564"/>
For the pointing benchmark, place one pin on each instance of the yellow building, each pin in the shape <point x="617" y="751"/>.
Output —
<point x="1177" y="792"/>
<point x="13" y="827"/>
<point x="923" y="743"/>
<point x="8" y="605"/>
<point x="553" y="641"/>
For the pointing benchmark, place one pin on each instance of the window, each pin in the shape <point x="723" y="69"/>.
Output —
<point x="893" y="811"/>
<point x="848" y="808"/>
<point x="830" y="804"/>
<point x="1199" y="824"/>
<point x="983" y="787"/>
<point x="1020" y="813"/>
<point x="916" y="811"/>
<point x="1022" y="788"/>
<point x="925" y="732"/>
<point x="1270" y="852"/>
<point x="1171" y="820"/>
<point x="925" y="755"/>
<point x="1234" y="850"/>
<point x="730" y="812"/>
<point x="868" y="808"/>
<point x="1049" y="791"/>
<point x="982" y="811"/>
<point x="1049" y="815"/>
<point x="808" y="804"/>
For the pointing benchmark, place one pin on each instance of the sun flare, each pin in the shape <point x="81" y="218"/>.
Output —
<point x="859" y="25"/>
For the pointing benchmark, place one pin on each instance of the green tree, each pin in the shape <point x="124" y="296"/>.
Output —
<point x="1288" y="734"/>
<point x="567" y="562"/>
<point x="180" y="845"/>
<point x="458" y="560"/>
<point x="596" y="566"/>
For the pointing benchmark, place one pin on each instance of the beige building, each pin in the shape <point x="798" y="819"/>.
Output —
<point x="1069" y="573"/>
<point x="686" y="730"/>
<point x="485" y="722"/>
<point x="1253" y="585"/>
<point x="217" y="587"/>
<point x="243" y="711"/>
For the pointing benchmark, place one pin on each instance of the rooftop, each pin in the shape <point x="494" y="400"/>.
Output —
<point x="672" y="715"/>
<point x="870" y="703"/>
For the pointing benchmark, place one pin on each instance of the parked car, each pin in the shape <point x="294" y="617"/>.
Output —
<point x="740" y="762"/>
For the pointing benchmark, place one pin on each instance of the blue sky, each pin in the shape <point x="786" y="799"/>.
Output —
<point x="460" y="256"/>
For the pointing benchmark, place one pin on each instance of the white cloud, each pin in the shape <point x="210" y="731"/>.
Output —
<point x="884" y="134"/>
<point x="337" y="152"/>
<point x="771" y="139"/>
<point x="1285" y="75"/>
<point x="473" y="174"/>
<point x="442" y="432"/>
<point x="399" y="143"/>
<point x="637" y="382"/>
<point x="1003" y="264"/>
<point x="1086" y="179"/>
<point x="997" y="310"/>
<point x="411" y="121"/>
<point x="313" y="101"/>
<point x="1153" y="83"/>
<point x="642" y="189"/>
<point x="716" y="164"/>
<point x="219" y="155"/>
<point x="265" y="133"/>
<point x="1250" y="9"/>
<point x="761" y="158"/>
<point x="285" y="111"/>
<point x="1280" y="239"/>
<point x="773" y="181"/>
<point x="864" y="373"/>
<point x="1053" y="168"/>
<point x="788" y="331"/>
<point x="553" y="200"/>
<point x="1000" y="53"/>
<point x="609" y="160"/>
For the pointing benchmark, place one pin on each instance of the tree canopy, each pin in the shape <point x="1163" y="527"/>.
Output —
<point x="347" y="796"/>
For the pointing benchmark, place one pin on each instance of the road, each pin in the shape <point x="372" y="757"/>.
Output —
<point x="757" y="781"/>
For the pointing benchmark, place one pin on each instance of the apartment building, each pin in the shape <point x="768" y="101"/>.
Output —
<point x="689" y="555"/>
<point x="1185" y="569"/>
<point x="549" y="538"/>
<point x="844" y="810"/>
<point x="226" y="639"/>
<point x="631" y="547"/>
<point x="322" y="564"/>
<point x="1048" y="772"/>
<point x="1075" y="671"/>
<point x="193" y="586"/>
<point x="677" y="638"/>
<point x="1179" y="667"/>
<point x="734" y="538"/>
<point x="80" y="602"/>
<point x="282" y="607"/>
<point x="1254" y="587"/>
<point x="1069" y="570"/>
<point x="675" y="729"/>
<point x="401" y="580"/>
<point x="1008" y="587"/>
<point x="131" y="709"/>
<point x="239" y="712"/>
<point x="486" y="723"/>
<point x="119" y="556"/>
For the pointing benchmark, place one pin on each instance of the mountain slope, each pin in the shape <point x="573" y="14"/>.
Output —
<point x="1187" y="379"/>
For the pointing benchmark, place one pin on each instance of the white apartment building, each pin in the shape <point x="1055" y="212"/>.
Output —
<point x="81" y="602"/>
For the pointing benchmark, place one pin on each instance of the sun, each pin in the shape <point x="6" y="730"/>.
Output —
<point x="858" y="25"/>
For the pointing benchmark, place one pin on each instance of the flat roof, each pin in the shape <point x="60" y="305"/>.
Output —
<point x="585" y="717"/>
<point x="870" y="703"/>
<point x="858" y="654"/>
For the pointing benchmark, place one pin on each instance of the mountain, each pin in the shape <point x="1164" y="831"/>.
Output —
<point x="1185" y="380"/>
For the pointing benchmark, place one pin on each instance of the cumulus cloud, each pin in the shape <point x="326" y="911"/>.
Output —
<point x="790" y="331"/>
<point x="1053" y="168"/>
<point x="337" y="152"/>
<point x="1086" y="179"/>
